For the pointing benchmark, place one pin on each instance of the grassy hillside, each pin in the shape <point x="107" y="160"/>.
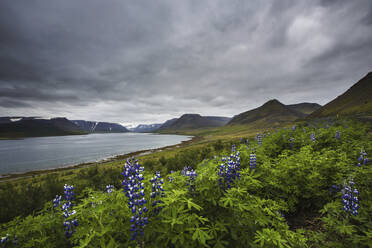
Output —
<point x="272" y="113"/>
<point x="304" y="108"/>
<point x="193" y="121"/>
<point x="355" y="101"/>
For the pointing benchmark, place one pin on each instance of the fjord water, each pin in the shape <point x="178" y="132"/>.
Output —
<point x="58" y="151"/>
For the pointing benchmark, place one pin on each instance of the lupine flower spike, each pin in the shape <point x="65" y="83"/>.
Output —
<point x="229" y="171"/>
<point x="259" y="139"/>
<point x="157" y="192"/>
<point x="133" y="188"/>
<point x="363" y="158"/>
<point x="338" y="135"/>
<point x="109" y="189"/>
<point x="252" y="161"/>
<point x="312" y="137"/>
<point x="350" y="198"/>
<point x="70" y="225"/>
<point x="189" y="172"/>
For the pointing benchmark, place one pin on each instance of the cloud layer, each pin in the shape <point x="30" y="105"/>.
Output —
<point x="148" y="61"/>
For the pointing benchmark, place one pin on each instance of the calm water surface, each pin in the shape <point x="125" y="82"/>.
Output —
<point x="53" y="152"/>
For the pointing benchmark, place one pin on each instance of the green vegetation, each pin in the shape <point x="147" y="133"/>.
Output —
<point x="356" y="100"/>
<point x="292" y="199"/>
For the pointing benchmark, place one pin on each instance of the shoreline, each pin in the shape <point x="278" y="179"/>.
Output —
<point x="21" y="175"/>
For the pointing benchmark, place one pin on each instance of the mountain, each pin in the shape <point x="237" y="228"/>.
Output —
<point x="100" y="127"/>
<point x="194" y="121"/>
<point x="304" y="108"/>
<point x="145" y="128"/>
<point x="35" y="127"/>
<point x="356" y="100"/>
<point x="167" y="124"/>
<point x="271" y="113"/>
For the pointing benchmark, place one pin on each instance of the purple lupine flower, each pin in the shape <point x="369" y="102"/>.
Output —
<point x="229" y="171"/>
<point x="191" y="174"/>
<point x="259" y="139"/>
<point x="247" y="143"/>
<point x="338" y="135"/>
<point x="157" y="192"/>
<point x="312" y="137"/>
<point x="294" y="128"/>
<point x="57" y="201"/>
<point x="109" y="189"/>
<point x="3" y="240"/>
<point x="363" y="158"/>
<point x="252" y="161"/>
<point x="70" y="225"/>
<point x="133" y="187"/>
<point x="233" y="147"/>
<point x="350" y="198"/>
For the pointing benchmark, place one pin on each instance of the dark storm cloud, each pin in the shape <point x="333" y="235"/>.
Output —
<point x="147" y="61"/>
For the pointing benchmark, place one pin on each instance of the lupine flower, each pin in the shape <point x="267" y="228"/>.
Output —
<point x="171" y="179"/>
<point x="362" y="158"/>
<point x="157" y="191"/>
<point x="312" y="137"/>
<point x="189" y="172"/>
<point x="350" y="198"/>
<point x="334" y="188"/>
<point x="3" y="240"/>
<point x="241" y="140"/>
<point x="294" y="128"/>
<point x="57" y="201"/>
<point x="229" y="171"/>
<point x="133" y="188"/>
<point x="247" y="143"/>
<point x="252" y="161"/>
<point x="67" y="211"/>
<point x="185" y="169"/>
<point x="338" y="135"/>
<point x="233" y="148"/>
<point x="259" y="139"/>
<point x="109" y="188"/>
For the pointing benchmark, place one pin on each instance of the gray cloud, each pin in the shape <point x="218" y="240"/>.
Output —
<point x="148" y="61"/>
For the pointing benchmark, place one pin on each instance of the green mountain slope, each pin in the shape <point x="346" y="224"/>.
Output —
<point x="305" y="108"/>
<point x="271" y="113"/>
<point x="356" y="100"/>
<point x="194" y="121"/>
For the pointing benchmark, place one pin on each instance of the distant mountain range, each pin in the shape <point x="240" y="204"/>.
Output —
<point x="100" y="127"/>
<point x="18" y="127"/>
<point x="355" y="101"/>
<point x="145" y="128"/>
<point x="194" y="121"/>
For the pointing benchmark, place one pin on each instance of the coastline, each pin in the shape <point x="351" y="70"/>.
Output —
<point x="120" y="157"/>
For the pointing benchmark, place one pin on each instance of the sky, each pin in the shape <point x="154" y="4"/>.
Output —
<point x="146" y="61"/>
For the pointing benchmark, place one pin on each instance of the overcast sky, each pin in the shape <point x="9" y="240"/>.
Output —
<point x="148" y="61"/>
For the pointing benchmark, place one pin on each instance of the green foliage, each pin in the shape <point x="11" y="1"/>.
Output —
<point x="287" y="201"/>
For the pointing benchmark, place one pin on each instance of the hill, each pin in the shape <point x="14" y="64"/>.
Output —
<point x="33" y="127"/>
<point x="304" y="108"/>
<point x="194" y="121"/>
<point x="356" y="100"/>
<point x="271" y="113"/>
<point x="100" y="127"/>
